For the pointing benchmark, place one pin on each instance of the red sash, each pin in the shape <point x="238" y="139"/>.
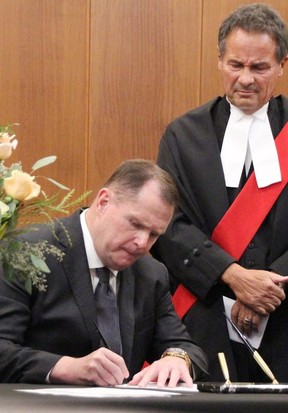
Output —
<point x="242" y="220"/>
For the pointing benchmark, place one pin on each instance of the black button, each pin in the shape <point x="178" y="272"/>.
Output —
<point x="196" y="252"/>
<point x="207" y="243"/>
<point x="187" y="262"/>
<point x="251" y="245"/>
<point x="251" y="263"/>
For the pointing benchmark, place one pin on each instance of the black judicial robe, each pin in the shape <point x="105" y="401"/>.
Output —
<point x="190" y="151"/>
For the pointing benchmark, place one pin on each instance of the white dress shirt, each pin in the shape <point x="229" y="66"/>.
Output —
<point x="92" y="256"/>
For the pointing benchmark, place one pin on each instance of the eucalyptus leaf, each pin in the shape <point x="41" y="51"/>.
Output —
<point x="13" y="205"/>
<point x="44" y="162"/>
<point x="3" y="229"/>
<point x="58" y="184"/>
<point x="39" y="263"/>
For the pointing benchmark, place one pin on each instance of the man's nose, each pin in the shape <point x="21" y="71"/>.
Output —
<point x="246" y="76"/>
<point x="142" y="240"/>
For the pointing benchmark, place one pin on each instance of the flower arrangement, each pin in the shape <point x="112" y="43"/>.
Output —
<point x="23" y="203"/>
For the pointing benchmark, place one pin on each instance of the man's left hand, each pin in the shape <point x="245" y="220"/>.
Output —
<point x="167" y="371"/>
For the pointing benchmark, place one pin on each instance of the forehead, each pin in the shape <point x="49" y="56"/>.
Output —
<point x="148" y="207"/>
<point x="254" y="46"/>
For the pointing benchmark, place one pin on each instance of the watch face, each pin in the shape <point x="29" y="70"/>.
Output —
<point x="176" y="349"/>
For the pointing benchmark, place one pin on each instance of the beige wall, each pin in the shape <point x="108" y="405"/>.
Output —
<point x="96" y="81"/>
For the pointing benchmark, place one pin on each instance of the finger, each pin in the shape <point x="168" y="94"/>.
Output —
<point x="142" y="378"/>
<point x="239" y="324"/>
<point x="282" y="287"/>
<point x="115" y="364"/>
<point x="234" y="318"/>
<point x="277" y="297"/>
<point x="261" y="310"/>
<point x="244" y="321"/>
<point x="105" y="377"/>
<point x="277" y="279"/>
<point x="255" y="324"/>
<point x="109" y="367"/>
<point x="173" y="379"/>
<point x="247" y="326"/>
<point x="119" y="362"/>
<point x="235" y="315"/>
<point x="136" y="378"/>
<point x="270" y="308"/>
<point x="277" y="293"/>
<point x="164" y="376"/>
<point x="186" y="378"/>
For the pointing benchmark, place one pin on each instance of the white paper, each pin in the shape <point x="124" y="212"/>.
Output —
<point x="181" y="387"/>
<point x="150" y="390"/>
<point x="256" y="336"/>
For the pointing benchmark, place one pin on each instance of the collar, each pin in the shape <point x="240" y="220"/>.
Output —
<point x="249" y="138"/>
<point x="92" y="256"/>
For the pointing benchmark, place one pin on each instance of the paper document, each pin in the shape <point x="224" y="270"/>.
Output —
<point x="256" y="336"/>
<point x="118" y="391"/>
<point x="181" y="388"/>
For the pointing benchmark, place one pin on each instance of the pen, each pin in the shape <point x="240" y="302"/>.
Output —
<point x="254" y="352"/>
<point x="224" y="367"/>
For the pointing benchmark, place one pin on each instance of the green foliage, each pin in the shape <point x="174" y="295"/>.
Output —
<point x="23" y="203"/>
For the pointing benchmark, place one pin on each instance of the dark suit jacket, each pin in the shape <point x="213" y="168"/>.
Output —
<point x="36" y="330"/>
<point x="190" y="151"/>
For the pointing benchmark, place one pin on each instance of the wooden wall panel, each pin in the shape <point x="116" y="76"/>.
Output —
<point x="43" y="82"/>
<point x="97" y="81"/>
<point x="145" y="68"/>
<point x="213" y="14"/>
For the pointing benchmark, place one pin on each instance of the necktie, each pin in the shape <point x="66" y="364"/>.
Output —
<point x="107" y="311"/>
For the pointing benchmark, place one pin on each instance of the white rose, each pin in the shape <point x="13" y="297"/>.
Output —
<point x="7" y="144"/>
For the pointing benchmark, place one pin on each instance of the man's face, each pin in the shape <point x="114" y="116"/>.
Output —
<point x="125" y="230"/>
<point x="249" y="69"/>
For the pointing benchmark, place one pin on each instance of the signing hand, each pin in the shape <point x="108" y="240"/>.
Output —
<point x="102" y="367"/>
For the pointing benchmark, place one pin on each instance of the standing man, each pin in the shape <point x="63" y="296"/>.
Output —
<point x="61" y="335"/>
<point x="211" y="151"/>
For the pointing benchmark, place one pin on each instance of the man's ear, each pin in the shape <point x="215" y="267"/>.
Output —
<point x="219" y="59"/>
<point x="282" y="64"/>
<point x="103" y="198"/>
<point x="284" y="61"/>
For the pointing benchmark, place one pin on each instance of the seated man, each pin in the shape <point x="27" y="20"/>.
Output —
<point x="56" y="336"/>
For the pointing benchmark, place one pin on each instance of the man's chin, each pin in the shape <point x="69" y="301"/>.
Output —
<point x="247" y="106"/>
<point x="123" y="263"/>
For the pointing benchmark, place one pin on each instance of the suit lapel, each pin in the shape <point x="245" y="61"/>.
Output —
<point x="76" y="268"/>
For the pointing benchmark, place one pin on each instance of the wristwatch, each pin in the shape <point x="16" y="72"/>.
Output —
<point x="178" y="352"/>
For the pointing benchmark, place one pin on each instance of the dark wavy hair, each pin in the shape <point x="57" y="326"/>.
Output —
<point x="258" y="18"/>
